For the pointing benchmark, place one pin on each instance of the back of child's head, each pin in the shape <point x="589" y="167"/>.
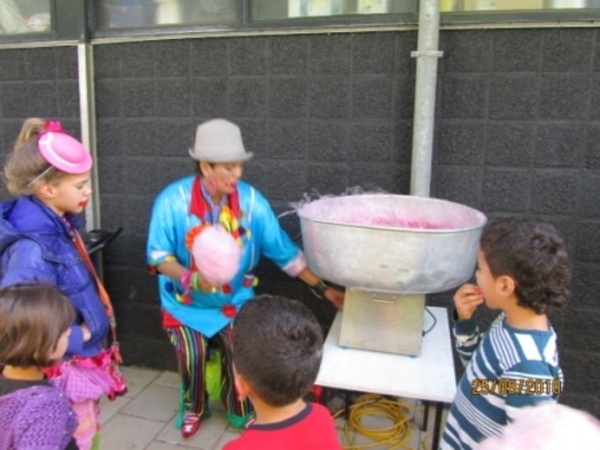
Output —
<point x="26" y="164"/>
<point x="549" y="426"/>
<point x="32" y="319"/>
<point x="277" y="348"/>
<point x="534" y="255"/>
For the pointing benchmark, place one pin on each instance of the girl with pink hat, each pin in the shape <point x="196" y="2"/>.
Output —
<point x="49" y="174"/>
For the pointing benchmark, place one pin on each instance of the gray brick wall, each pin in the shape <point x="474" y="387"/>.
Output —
<point x="38" y="82"/>
<point x="516" y="135"/>
<point x="318" y="112"/>
<point x="518" y="117"/>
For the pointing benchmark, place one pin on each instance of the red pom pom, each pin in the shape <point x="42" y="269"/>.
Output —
<point x="229" y="311"/>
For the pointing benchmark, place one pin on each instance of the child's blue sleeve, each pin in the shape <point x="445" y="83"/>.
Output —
<point x="467" y="337"/>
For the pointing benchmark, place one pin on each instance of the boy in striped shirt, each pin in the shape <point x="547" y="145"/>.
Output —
<point x="523" y="270"/>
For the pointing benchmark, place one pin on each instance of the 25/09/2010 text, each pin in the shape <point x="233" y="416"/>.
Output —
<point x="504" y="386"/>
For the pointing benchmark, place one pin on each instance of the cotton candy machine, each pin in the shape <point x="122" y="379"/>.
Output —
<point x="389" y="251"/>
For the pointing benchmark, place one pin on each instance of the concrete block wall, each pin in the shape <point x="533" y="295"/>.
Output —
<point x="317" y="111"/>
<point x="517" y="134"/>
<point x="39" y="82"/>
<point x="518" y="117"/>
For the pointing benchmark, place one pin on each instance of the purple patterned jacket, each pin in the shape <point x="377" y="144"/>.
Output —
<point x="34" y="415"/>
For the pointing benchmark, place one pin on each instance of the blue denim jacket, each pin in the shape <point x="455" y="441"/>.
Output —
<point x="36" y="247"/>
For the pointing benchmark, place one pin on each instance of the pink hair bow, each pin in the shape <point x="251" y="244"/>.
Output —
<point x="54" y="126"/>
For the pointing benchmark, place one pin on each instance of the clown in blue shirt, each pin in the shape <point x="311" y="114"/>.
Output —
<point x="196" y="312"/>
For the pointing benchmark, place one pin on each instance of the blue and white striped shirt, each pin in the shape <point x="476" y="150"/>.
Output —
<point x="507" y="369"/>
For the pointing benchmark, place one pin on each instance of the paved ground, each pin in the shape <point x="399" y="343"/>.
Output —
<point x="145" y="417"/>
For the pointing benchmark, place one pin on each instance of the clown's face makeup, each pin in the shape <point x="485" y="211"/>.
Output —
<point x="222" y="178"/>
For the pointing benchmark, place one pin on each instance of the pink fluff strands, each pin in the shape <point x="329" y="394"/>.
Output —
<point x="216" y="254"/>
<point x="392" y="211"/>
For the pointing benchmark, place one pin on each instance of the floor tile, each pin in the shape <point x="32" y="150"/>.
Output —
<point x="360" y="440"/>
<point x="377" y="426"/>
<point x="344" y="434"/>
<point x="226" y="437"/>
<point x="340" y="422"/>
<point x="145" y="418"/>
<point x="210" y="432"/>
<point x="413" y="439"/>
<point x="161" y="446"/>
<point x="216" y="406"/>
<point x="124" y="432"/>
<point x="109" y="408"/>
<point x="168" y="379"/>
<point x="155" y="403"/>
<point x="427" y="435"/>
<point x="413" y="407"/>
<point x="138" y="378"/>
<point x="427" y="441"/>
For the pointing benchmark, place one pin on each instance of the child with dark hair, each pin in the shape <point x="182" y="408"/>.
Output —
<point x="35" y="323"/>
<point x="523" y="270"/>
<point x="277" y="350"/>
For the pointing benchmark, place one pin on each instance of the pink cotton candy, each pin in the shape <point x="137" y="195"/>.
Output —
<point x="393" y="219"/>
<point x="549" y="426"/>
<point x="217" y="255"/>
<point x="400" y="222"/>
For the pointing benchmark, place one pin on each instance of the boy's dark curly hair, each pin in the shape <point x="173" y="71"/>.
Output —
<point x="277" y="348"/>
<point x="534" y="255"/>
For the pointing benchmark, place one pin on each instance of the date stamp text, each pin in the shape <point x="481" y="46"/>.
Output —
<point x="504" y="386"/>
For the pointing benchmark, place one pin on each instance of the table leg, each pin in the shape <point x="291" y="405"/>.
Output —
<point x="347" y="405"/>
<point x="425" y="415"/>
<point x="435" y="444"/>
<point x="325" y="396"/>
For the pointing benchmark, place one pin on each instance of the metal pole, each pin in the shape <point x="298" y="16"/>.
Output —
<point x="427" y="55"/>
<point x="87" y="111"/>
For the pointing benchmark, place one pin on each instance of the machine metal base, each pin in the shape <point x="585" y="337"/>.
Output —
<point x="383" y="321"/>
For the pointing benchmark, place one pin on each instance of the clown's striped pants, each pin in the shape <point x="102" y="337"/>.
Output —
<point x="192" y="351"/>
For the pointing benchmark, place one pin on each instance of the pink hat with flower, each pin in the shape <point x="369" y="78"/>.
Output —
<point x="63" y="151"/>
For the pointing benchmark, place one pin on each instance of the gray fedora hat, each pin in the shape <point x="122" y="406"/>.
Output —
<point x="217" y="141"/>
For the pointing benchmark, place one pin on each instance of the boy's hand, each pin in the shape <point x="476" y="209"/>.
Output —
<point x="466" y="300"/>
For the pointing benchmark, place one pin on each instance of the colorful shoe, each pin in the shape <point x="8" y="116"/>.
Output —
<point x="239" y="422"/>
<point x="191" y="425"/>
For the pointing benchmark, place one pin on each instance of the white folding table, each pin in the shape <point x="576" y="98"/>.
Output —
<point x="428" y="377"/>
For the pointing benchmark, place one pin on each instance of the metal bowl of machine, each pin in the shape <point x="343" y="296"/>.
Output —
<point x="387" y="242"/>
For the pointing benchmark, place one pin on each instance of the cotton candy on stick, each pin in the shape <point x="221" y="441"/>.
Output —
<point x="216" y="254"/>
